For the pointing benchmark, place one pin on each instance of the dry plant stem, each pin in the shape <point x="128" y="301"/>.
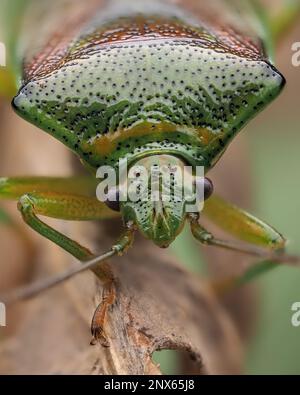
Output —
<point x="159" y="305"/>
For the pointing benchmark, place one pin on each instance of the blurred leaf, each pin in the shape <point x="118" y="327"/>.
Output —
<point x="257" y="270"/>
<point x="10" y="22"/>
<point x="288" y="16"/>
<point x="275" y="152"/>
<point x="4" y="217"/>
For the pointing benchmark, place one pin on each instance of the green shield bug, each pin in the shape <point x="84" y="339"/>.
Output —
<point x="155" y="86"/>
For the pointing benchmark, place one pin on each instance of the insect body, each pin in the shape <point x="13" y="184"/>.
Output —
<point x="151" y="85"/>
<point x="148" y="84"/>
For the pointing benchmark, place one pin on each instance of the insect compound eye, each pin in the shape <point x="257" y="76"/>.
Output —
<point x="113" y="199"/>
<point x="205" y="184"/>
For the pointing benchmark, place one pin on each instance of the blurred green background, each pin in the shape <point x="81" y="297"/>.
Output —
<point x="276" y="164"/>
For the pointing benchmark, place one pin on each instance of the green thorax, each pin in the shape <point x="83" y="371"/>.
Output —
<point x="130" y="86"/>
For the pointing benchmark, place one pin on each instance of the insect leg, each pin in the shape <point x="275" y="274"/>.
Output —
<point x="15" y="187"/>
<point x="98" y="321"/>
<point x="262" y="240"/>
<point x="62" y="206"/>
<point x="206" y="238"/>
<point x="72" y="207"/>
<point x="104" y="272"/>
<point x="108" y="296"/>
<point x="266" y="262"/>
<point x="241" y="224"/>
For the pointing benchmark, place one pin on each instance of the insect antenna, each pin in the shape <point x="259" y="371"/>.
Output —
<point x="34" y="289"/>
